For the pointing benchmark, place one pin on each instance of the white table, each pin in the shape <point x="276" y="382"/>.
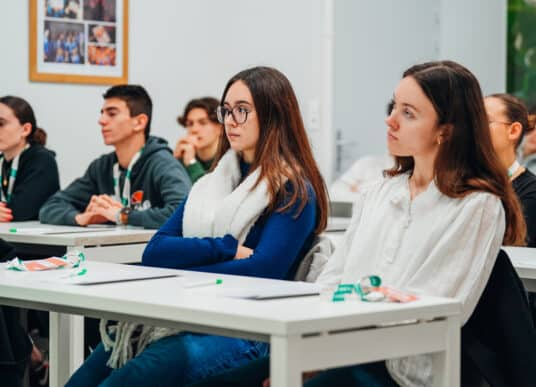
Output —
<point x="118" y="244"/>
<point x="305" y="333"/>
<point x="524" y="261"/>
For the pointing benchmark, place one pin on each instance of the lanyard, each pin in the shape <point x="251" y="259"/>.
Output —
<point x="12" y="175"/>
<point x="513" y="168"/>
<point x="125" y="197"/>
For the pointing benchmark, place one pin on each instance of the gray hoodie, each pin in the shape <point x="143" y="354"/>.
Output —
<point x="163" y="180"/>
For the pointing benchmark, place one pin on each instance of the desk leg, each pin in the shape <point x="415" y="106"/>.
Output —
<point x="65" y="345"/>
<point x="285" y="368"/>
<point x="446" y="364"/>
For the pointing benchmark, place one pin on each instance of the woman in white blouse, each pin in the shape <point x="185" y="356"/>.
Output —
<point x="435" y="225"/>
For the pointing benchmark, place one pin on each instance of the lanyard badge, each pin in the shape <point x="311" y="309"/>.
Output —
<point x="12" y="176"/>
<point x="124" y="197"/>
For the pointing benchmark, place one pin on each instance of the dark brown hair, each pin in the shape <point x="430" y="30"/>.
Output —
<point x="466" y="161"/>
<point x="515" y="111"/>
<point x="208" y="104"/>
<point x="137" y="99"/>
<point x="25" y="114"/>
<point x="283" y="150"/>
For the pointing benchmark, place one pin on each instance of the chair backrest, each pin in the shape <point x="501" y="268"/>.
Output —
<point x="499" y="340"/>
<point x="314" y="261"/>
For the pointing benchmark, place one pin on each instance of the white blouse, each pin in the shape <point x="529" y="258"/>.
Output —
<point x="432" y="245"/>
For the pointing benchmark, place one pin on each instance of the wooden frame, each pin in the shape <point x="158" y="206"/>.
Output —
<point x="96" y="47"/>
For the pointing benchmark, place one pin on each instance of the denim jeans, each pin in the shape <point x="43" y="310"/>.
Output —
<point x="172" y="361"/>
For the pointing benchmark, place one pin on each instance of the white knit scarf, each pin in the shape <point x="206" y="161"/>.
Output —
<point x="218" y="204"/>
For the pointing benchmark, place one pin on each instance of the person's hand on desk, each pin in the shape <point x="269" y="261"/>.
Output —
<point x="5" y="213"/>
<point x="94" y="212"/>
<point x="107" y="207"/>
<point x="243" y="252"/>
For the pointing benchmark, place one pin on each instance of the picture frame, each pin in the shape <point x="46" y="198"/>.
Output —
<point x="79" y="41"/>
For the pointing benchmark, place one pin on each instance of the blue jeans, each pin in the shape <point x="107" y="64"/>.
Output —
<point x="172" y="361"/>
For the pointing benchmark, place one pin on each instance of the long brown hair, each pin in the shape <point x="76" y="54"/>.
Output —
<point x="516" y="111"/>
<point x="283" y="151"/>
<point x="25" y="114"/>
<point x="466" y="161"/>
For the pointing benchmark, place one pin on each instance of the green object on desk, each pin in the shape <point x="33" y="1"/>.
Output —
<point x="12" y="230"/>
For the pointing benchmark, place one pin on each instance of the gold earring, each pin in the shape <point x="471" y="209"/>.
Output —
<point x="439" y="141"/>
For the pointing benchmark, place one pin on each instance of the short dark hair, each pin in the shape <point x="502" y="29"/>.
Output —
<point x="208" y="104"/>
<point x="137" y="100"/>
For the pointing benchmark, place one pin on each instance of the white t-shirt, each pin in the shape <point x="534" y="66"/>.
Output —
<point x="364" y="171"/>
<point x="432" y="245"/>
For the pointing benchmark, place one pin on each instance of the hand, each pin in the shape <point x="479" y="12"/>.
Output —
<point x="243" y="252"/>
<point x="185" y="149"/>
<point x="5" y="213"/>
<point x="105" y="206"/>
<point x="91" y="217"/>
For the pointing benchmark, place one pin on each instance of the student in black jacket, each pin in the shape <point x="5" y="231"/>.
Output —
<point x="508" y="122"/>
<point x="28" y="171"/>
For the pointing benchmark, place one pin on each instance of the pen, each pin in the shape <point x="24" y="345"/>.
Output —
<point x="217" y="281"/>
<point x="12" y="230"/>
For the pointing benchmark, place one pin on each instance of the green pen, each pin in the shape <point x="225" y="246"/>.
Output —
<point x="217" y="281"/>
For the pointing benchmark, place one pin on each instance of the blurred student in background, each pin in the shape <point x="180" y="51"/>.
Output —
<point x="196" y="150"/>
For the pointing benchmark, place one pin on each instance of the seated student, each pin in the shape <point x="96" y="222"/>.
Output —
<point x="28" y="171"/>
<point x="255" y="214"/>
<point x="508" y="122"/>
<point x="434" y="226"/>
<point x="139" y="184"/>
<point x="528" y="148"/>
<point x="363" y="171"/>
<point x="197" y="149"/>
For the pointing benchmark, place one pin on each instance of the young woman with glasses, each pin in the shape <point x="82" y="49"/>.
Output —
<point x="508" y="123"/>
<point x="197" y="149"/>
<point x="433" y="226"/>
<point x="255" y="214"/>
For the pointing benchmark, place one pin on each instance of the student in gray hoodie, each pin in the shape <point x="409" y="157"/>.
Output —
<point x="139" y="184"/>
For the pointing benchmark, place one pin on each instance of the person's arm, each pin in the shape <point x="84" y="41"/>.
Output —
<point x="173" y="185"/>
<point x="168" y="248"/>
<point x="282" y="239"/>
<point x="38" y="182"/>
<point x="63" y="206"/>
<point x="332" y="273"/>
<point x="195" y="171"/>
<point x="462" y="259"/>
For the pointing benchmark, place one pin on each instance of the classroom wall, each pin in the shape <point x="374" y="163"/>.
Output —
<point x="178" y="50"/>
<point x="343" y="57"/>
<point x="375" y="41"/>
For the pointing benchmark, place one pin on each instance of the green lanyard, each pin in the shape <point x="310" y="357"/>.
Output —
<point x="12" y="175"/>
<point x="125" y="197"/>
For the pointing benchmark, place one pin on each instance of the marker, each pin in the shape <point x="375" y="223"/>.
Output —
<point x="217" y="281"/>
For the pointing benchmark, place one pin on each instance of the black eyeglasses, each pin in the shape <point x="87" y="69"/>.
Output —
<point x="239" y="114"/>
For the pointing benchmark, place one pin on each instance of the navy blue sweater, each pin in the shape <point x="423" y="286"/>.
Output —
<point x="279" y="241"/>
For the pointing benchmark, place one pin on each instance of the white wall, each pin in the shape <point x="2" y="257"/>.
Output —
<point x="179" y="49"/>
<point x="375" y="41"/>
<point x="344" y="58"/>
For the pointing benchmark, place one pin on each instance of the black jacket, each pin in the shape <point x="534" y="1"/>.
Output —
<point x="37" y="180"/>
<point x="499" y="340"/>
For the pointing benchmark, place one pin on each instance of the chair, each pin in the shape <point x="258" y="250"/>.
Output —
<point x="499" y="340"/>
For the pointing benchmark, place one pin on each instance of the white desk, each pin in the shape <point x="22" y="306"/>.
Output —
<point x="524" y="261"/>
<point x="305" y="333"/>
<point x="117" y="244"/>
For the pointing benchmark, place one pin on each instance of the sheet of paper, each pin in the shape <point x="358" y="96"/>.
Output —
<point x="262" y="292"/>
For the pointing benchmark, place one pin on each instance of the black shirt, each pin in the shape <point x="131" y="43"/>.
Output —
<point x="37" y="179"/>
<point x="525" y="187"/>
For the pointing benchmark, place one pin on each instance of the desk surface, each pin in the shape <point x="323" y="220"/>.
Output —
<point x="524" y="261"/>
<point x="73" y="236"/>
<point x="168" y="302"/>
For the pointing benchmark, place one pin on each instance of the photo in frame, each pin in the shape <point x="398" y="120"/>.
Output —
<point x="79" y="41"/>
